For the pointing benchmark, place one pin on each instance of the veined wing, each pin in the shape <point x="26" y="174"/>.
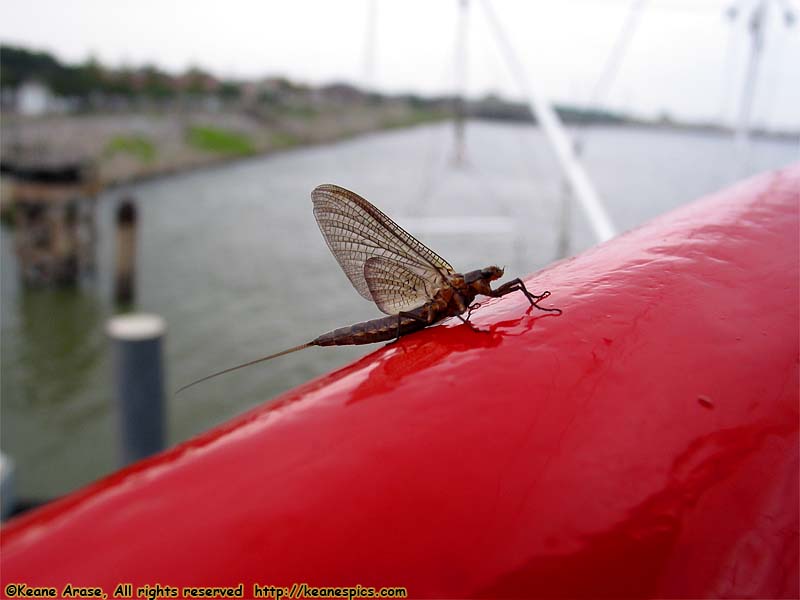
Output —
<point x="393" y="287"/>
<point x="356" y="231"/>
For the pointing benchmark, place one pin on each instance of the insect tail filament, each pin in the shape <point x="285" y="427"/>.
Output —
<point x="247" y="364"/>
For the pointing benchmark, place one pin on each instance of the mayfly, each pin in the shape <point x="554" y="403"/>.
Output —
<point x="388" y="266"/>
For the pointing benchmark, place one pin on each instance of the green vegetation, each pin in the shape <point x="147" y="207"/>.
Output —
<point x="220" y="141"/>
<point x="299" y="111"/>
<point x="135" y="145"/>
<point x="81" y="81"/>
<point x="18" y="65"/>
<point x="283" y="140"/>
<point x="414" y="117"/>
<point x="90" y="81"/>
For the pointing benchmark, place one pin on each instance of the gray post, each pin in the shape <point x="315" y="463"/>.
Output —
<point x="8" y="498"/>
<point x="139" y="383"/>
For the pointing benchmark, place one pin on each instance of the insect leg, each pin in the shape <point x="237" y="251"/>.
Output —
<point x="475" y="306"/>
<point x="517" y="285"/>
<point x="471" y="326"/>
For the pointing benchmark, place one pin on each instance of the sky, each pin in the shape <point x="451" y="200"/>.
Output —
<point x="684" y="58"/>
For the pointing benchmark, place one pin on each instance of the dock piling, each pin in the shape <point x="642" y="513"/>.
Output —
<point x="139" y="383"/>
<point x="125" y="270"/>
<point x="8" y="497"/>
<point x="54" y="220"/>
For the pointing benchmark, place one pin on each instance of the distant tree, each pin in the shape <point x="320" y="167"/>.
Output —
<point x="80" y="80"/>
<point x="121" y="82"/>
<point x="195" y="81"/>
<point x="230" y="90"/>
<point x="84" y="80"/>
<point x="18" y="65"/>
<point x="156" y="83"/>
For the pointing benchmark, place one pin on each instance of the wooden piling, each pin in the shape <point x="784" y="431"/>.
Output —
<point x="125" y="271"/>
<point x="53" y="221"/>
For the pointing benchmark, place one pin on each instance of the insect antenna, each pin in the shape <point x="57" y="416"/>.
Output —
<point x="243" y="365"/>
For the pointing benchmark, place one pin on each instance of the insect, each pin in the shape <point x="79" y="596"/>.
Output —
<point x="407" y="280"/>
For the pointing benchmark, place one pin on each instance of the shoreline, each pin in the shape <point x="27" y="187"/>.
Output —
<point x="112" y="151"/>
<point x="136" y="171"/>
<point x="223" y="161"/>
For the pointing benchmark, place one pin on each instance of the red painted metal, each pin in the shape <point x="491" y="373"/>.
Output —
<point x="645" y="443"/>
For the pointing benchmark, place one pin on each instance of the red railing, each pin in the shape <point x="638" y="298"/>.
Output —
<point x="643" y="444"/>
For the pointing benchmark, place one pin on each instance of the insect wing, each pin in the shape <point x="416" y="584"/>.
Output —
<point x="393" y="287"/>
<point x="357" y="231"/>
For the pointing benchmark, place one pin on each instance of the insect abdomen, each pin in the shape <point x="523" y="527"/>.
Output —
<point x="368" y="332"/>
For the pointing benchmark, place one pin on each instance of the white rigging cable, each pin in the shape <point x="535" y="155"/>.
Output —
<point x="550" y="123"/>
<point x="613" y="62"/>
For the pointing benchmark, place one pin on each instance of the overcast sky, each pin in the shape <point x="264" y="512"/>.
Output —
<point x="684" y="58"/>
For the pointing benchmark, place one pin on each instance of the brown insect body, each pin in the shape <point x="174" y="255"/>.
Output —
<point x="376" y="330"/>
<point x="450" y="301"/>
<point x="407" y="280"/>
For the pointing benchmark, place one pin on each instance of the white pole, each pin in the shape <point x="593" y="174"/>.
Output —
<point x="369" y="47"/>
<point x="461" y="83"/>
<point x="550" y="123"/>
<point x="749" y="89"/>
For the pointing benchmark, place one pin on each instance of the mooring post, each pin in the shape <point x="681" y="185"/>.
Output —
<point x="8" y="498"/>
<point x="139" y="383"/>
<point x="125" y="272"/>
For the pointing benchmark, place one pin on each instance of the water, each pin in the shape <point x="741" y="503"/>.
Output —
<point x="233" y="259"/>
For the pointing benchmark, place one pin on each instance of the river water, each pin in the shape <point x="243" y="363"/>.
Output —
<point x="232" y="258"/>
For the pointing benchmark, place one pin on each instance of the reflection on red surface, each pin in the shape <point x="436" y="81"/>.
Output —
<point x="429" y="348"/>
<point x="644" y="443"/>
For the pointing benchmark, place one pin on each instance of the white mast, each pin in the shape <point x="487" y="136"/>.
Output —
<point x="369" y="46"/>
<point x="756" y="26"/>
<point x="461" y="83"/>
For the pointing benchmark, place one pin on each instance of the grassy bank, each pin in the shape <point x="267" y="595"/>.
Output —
<point x="125" y="147"/>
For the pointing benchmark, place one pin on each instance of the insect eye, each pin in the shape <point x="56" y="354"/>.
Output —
<point x="492" y="273"/>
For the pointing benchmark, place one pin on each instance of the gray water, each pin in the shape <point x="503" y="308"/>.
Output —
<point x="232" y="258"/>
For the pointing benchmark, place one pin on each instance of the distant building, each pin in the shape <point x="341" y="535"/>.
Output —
<point x="196" y="81"/>
<point x="34" y="98"/>
<point x="273" y="90"/>
<point x="342" y="93"/>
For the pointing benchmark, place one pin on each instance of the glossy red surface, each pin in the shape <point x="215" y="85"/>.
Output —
<point x="645" y="443"/>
